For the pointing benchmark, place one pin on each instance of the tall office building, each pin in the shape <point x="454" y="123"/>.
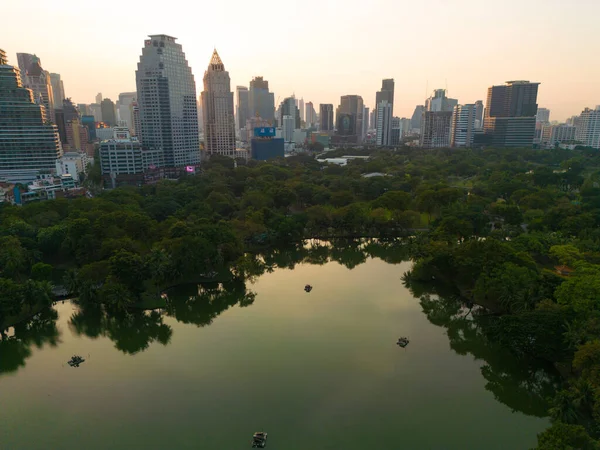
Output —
<point x="439" y="102"/>
<point x="125" y="109"/>
<point x="351" y="105"/>
<point x="217" y="107"/>
<point x="301" y="109"/>
<point x="543" y="115"/>
<point x="325" y="117"/>
<point x="96" y="110"/>
<point x="462" y="130"/>
<point x="386" y="93"/>
<point x="99" y="98"/>
<point x="24" y="61"/>
<point x="310" y="114"/>
<point x="384" y="123"/>
<point x="288" y="124"/>
<point x="435" y="129"/>
<point x="58" y="90"/>
<point x="479" y="111"/>
<point x="243" y="106"/>
<point x="365" y="121"/>
<point x="38" y="80"/>
<point x="288" y="108"/>
<point x="415" y="121"/>
<point x="588" y="127"/>
<point x="510" y="114"/>
<point x="108" y="112"/>
<point x="261" y="102"/>
<point x="28" y="144"/>
<point x="166" y="96"/>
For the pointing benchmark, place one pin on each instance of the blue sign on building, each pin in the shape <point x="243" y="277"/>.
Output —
<point x="264" y="132"/>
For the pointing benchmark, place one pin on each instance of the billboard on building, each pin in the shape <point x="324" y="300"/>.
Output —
<point x="264" y="132"/>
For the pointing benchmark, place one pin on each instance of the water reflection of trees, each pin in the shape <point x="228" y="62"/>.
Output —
<point x="522" y="384"/>
<point x="16" y="346"/>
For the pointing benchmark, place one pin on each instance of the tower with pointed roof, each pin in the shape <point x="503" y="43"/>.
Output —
<point x="217" y="108"/>
<point x="166" y="93"/>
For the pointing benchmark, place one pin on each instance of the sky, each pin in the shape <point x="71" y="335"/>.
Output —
<point x="320" y="50"/>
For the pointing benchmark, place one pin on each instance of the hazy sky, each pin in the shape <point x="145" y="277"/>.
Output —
<point x="322" y="49"/>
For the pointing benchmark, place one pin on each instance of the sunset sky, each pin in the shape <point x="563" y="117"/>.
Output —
<point x="320" y="50"/>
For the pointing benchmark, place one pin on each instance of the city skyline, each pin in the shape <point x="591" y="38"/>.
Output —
<point x="334" y="69"/>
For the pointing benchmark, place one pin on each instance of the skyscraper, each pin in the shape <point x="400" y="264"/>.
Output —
<point x="366" y="116"/>
<point x="288" y="108"/>
<point x="352" y="105"/>
<point x="325" y="117"/>
<point x="415" y="121"/>
<point x="301" y="108"/>
<point x="243" y="106"/>
<point x="24" y="61"/>
<point x="462" y="131"/>
<point x="125" y="110"/>
<point x="543" y="115"/>
<point x="386" y="93"/>
<point x="99" y="97"/>
<point x="38" y="80"/>
<point x="108" y="112"/>
<point x="28" y="144"/>
<point x="510" y="114"/>
<point x="166" y="96"/>
<point x="311" y="115"/>
<point x="435" y="129"/>
<point x="58" y="90"/>
<point x="439" y="102"/>
<point x="217" y="107"/>
<point x="384" y="123"/>
<point x="261" y="102"/>
<point x="588" y="127"/>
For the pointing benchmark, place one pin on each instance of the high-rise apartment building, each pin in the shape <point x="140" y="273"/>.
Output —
<point x="384" y="123"/>
<point x="588" y="127"/>
<point x="217" y="107"/>
<point x="553" y="135"/>
<point x="243" y="106"/>
<point x="28" y="144"/>
<point x="439" y="102"/>
<point x="261" y="102"/>
<point x="325" y="117"/>
<point x="543" y="115"/>
<point x="435" y="129"/>
<point x="58" y="90"/>
<point x="462" y="130"/>
<point x="108" y="112"/>
<point x="510" y="114"/>
<point x="166" y="96"/>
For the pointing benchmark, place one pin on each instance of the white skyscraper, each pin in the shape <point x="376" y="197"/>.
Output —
<point x="217" y="107"/>
<point x="384" y="123"/>
<point x="166" y="94"/>
<point x="463" y="125"/>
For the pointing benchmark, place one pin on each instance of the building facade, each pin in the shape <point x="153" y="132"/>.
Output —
<point x="125" y="109"/>
<point x="108" y="112"/>
<point x="553" y="135"/>
<point x="28" y="143"/>
<point x="166" y="97"/>
<point x="588" y="127"/>
<point x="217" y="108"/>
<point x="325" y="117"/>
<point x="351" y="105"/>
<point x="58" y="90"/>
<point x="435" y="129"/>
<point x="463" y="127"/>
<point x="311" y="115"/>
<point x="38" y="80"/>
<point x="243" y="106"/>
<point x="543" y="115"/>
<point x="439" y="102"/>
<point x="261" y="102"/>
<point x="384" y="124"/>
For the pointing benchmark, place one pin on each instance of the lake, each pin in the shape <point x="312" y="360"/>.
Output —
<point x="315" y="370"/>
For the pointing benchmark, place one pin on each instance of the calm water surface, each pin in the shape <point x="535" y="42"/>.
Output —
<point x="317" y="370"/>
